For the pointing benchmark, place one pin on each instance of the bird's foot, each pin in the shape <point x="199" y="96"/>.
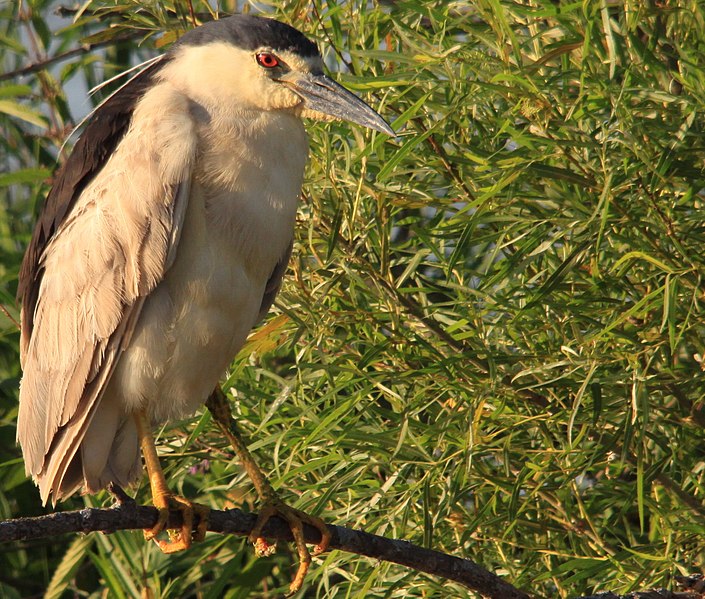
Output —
<point x="219" y="407"/>
<point x="273" y="506"/>
<point x="180" y="539"/>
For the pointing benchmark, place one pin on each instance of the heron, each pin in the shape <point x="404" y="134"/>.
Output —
<point x="161" y="244"/>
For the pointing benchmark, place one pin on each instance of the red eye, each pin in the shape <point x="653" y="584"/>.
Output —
<point x="267" y="60"/>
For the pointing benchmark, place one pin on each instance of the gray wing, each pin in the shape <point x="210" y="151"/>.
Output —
<point x="274" y="283"/>
<point x="108" y="234"/>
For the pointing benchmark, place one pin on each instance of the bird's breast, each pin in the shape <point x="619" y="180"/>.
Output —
<point x="250" y="172"/>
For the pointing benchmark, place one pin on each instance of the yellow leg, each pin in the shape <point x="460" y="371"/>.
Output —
<point x="163" y="499"/>
<point x="218" y="405"/>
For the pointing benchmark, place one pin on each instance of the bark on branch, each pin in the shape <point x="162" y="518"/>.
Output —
<point x="129" y="515"/>
<point x="48" y="61"/>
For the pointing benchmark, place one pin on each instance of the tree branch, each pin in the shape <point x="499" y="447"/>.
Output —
<point x="652" y="594"/>
<point x="128" y="515"/>
<point x="84" y="48"/>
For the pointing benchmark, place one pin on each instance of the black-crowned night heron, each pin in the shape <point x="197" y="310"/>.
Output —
<point x="161" y="244"/>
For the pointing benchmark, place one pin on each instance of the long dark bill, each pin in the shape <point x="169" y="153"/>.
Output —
<point x="321" y="94"/>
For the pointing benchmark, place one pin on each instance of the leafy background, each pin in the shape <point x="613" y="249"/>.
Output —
<point x="490" y="340"/>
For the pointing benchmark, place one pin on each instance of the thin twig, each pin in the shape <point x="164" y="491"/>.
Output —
<point x="40" y="65"/>
<point x="6" y="312"/>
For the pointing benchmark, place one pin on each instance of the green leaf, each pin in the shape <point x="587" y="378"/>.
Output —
<point x="21" y="112"/>
<point x="26" y="176"/>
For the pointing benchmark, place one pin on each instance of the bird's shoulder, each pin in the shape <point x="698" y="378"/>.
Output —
<point x="103" y="131"/>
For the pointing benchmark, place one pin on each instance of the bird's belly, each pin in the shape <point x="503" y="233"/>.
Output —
<point x="189" y="330"/>
<point x="191" y="326"/>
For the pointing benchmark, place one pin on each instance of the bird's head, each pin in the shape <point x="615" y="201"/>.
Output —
<point x="263" y="64"/>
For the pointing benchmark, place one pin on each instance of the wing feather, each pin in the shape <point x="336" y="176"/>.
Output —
<point x="109" y="232"/>
<point x="274" y="283"/>
<point x="106" y="127"/>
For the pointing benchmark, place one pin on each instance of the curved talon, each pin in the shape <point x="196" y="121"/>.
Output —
<point x="164" y="499"/>
<point x="326" y="535"/>
<point x="218" y="405"/>
<point x="181" y="539"/>
<point x="296" y="520"/>
<point x="159" y="526"/>
<point x="203" y="513"/>
<point x="262" y="547"/>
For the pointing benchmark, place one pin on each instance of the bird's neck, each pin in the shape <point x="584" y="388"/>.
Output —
<point x="252" y="181"/>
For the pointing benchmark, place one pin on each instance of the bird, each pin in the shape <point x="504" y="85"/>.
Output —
<point x="162" y="242"/>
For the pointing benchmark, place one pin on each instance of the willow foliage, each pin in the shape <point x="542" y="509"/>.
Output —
<point x="490" y="339"/>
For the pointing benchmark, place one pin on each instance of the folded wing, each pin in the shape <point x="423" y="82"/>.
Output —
<point x="106" y="237"/>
